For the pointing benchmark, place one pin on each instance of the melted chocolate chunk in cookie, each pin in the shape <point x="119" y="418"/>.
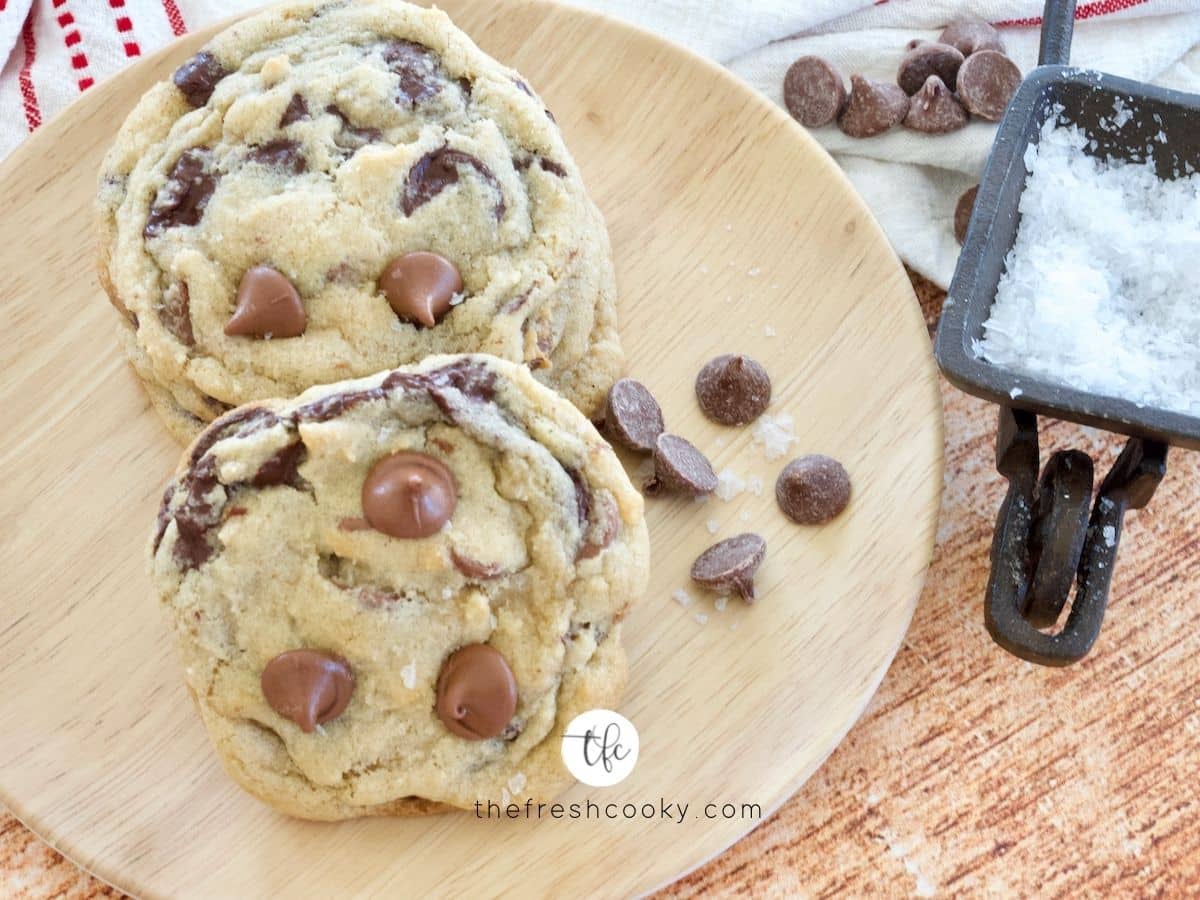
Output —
<point x="437" y="170"/>
<point x="350" y="137"/>
<point x="197" y="78"/>
<point x="176" y="313"/>
<point x="280" y="154"/>
<point x="297" y="109"/>
<point x="418" y="70"/>
<point x="181" y="201"/>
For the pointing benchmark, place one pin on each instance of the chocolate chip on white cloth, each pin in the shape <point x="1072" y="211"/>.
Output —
<point x="813" y="91"/>
<point x="680" y="467"/>
<point x="971" y="37"/>
<point x="733" y="389"/>
<point x="873" y="107"/>
<point x="986" y="82"/>
<point x="731" y="563"/>
<point x="632" y="417"/>
<point x="812" y="489"/>
<point x="928" y="59"/>
<point x="962" y="213"/>
<point x="934" y="110"/>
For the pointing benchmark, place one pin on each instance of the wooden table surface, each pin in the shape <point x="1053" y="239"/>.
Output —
<point x="972" y="772"/>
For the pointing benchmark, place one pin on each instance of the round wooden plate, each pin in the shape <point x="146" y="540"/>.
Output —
<point x="733" y="231"/>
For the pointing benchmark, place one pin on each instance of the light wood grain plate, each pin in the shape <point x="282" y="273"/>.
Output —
<point x="728" y="224"/>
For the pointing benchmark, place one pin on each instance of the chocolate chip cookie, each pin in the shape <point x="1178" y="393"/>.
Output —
<point x="330" y="189"/>
<point x="393" y="593"/>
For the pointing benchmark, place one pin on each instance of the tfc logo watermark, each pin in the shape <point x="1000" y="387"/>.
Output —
<point x="600" y="747"/>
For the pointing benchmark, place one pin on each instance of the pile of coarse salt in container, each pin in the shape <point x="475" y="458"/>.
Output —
<point x="1101" y="289"/>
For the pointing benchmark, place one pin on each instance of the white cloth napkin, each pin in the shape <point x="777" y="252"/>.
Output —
<point x="55" y="49"/>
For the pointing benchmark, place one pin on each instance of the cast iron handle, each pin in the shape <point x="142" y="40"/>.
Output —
<point x="1045" y="540"/>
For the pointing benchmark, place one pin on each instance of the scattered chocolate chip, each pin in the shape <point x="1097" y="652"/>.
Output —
<point x="731" y="563"/>
<point x="986" y="82"/>
<point x="813" y="91"/>
<point x="873" y="108"/>
<point x="473" y="568"/>
<point x="417" y="67"/>
<point x="297" y="109"/>
<point x="632" y="416"/>
<point x="933" y="109"/>
<point x="962" y="213"/>
<point x="419" y="286"/>
<point x="971" y="37"/>
<point x="733" y="389"/>
<point x="268" y="305"/>
<point x="176" y="314"/>
<point x="476" y="692"/>
<point x="928" y="59"/>
<point x="197" y="78"/>
<point x="679" y="466"/>
<point x="308" y="687"/>
<point x="181" y="200"/>
<point x="437" y="170"/>
<point x="280" y="154"/>
<point x="409" y="495"/>
<point x="813" y="489"/>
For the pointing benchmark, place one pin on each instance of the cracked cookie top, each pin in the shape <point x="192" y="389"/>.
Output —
<point x="295" y="160"/>
<point x="400" y="588"/>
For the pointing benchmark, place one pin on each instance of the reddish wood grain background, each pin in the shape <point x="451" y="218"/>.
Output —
<point x="972" y="772"/>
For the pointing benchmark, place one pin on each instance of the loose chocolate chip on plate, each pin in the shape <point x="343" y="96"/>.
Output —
<point x="297" y="109"/>
<point x="420" y="285"/>
<point x="308" y="687"/>
<point x="267" y="305"/>
<point x="280" y="154"/>
<point x="928" y="59"/>
<point x="680" y="467"/>
<point x="813" y="91"/>
<point x="971" y="37"/>
<point x="182" y="199"/>
<point x="476" y="692"/>
<point x="632" y="416"/>
<point x="731" y="563"/>
<point x="733" y="389"/>
<point x="409" y="495"/>
<point x="962" y="213"/>
<point x="813" y="489"/>
<point x="197" y="78"/>
<point x="873" y="107"/>
<point x="986" y="82"/>
<point x="934" y="110"/>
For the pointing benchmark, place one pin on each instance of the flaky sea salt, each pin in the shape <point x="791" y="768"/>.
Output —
<point x="713" y="526"/>
<point x="1110" y="536"/>
<point x="754" y="485"/>
<point x="516" y="784"/>
<point x="729" y="485"/>
<point x="1099" y="290"/>
<point x="682" y="597"/>
<point x="768" y="331"/>
<point x="775" y="434"/>
<point x="408" y="675"/>
<point x="701" y="618"/>
<point x="720" y="603"/>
